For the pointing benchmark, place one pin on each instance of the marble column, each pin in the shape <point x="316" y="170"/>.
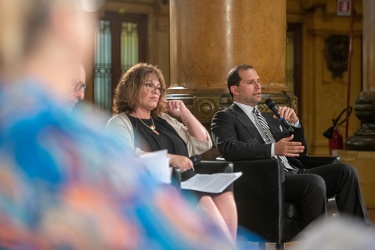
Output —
<point x="364" y="138"/>
<point x="209" y="37"/>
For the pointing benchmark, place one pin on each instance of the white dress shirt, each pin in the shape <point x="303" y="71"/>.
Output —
<point x="249" y="111"/>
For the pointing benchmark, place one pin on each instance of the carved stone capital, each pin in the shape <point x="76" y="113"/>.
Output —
<point x="204" y="103"/>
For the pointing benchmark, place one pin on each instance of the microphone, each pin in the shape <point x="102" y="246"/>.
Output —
<point x="272" y="106"/>
<point x="196" y="159"/>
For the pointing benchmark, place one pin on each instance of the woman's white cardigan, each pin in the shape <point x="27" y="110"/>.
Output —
<point x="121" y="128"/>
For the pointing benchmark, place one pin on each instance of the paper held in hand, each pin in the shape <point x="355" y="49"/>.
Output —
<point x="210" y="183"/>
<point x="157" y="165"/>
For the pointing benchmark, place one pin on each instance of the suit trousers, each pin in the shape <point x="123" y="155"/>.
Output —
<point x="310" y="188"/>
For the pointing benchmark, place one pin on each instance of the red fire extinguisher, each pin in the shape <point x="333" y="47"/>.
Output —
<point x="336" y="141"/>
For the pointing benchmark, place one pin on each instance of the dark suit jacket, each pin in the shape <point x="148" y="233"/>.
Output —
<point x="237" y="138"/>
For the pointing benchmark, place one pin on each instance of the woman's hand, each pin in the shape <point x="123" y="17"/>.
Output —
<point x="181" y="162"/>
<point x="177" y="108"/>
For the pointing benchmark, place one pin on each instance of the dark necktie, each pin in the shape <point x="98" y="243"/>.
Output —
<point x="269" y="137"/>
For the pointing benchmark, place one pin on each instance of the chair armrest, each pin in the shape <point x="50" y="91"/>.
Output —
<point x="259" y="195"/>
<point x="316" y="161"/>
<point x="176" y="178"/>
<point x="260" y="179"/>
<point x="212" y="167"/>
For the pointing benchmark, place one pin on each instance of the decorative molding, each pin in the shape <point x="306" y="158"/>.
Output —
<point x="336" y="54"/>
<point x="205" y="107"/>
<point x="205" y="103"/>
<point x="312" y="4"/>
<point x="163" y="24"/>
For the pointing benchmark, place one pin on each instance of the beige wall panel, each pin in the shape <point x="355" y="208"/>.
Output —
<point x="324" y="96"/>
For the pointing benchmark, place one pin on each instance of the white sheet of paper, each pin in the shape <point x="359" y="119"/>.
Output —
<point x="157" y="165"/>
<point x="210" y="183"/>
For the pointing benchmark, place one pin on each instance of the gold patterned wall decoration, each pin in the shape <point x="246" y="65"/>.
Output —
<point x="205" y="107"/>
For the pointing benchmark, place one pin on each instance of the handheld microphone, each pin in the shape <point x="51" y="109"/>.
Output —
<point x="196" y="159"/>
<point x="272" y="106"/>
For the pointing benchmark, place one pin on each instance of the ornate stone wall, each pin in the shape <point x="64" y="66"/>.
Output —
<point x="205" y="103"/>
<point x="324" y="93"/>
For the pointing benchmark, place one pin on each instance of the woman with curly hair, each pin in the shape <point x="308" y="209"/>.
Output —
<point x="143" y="120"/>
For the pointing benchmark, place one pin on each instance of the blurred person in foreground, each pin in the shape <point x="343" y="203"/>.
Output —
<point x="337" y="232"/>
<point x="63" y="184"/>
<point x="77" y="93"/>
<point x="141" y="121"/>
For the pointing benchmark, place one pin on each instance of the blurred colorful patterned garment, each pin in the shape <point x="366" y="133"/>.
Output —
<point x="62" y="186"/>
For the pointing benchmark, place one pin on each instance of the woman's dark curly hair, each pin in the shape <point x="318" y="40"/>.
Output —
<point x="128" y="90"/>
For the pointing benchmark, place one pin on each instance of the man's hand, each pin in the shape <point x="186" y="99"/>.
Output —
<point x="287" y="147"/>
<point x="288" y="114"/>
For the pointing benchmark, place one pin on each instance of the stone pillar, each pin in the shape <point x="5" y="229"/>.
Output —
<point x="364" y="138"/>
<point x="209" y="37"/>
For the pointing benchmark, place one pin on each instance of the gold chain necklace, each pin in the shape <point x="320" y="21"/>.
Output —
<point x="152" y="127"/>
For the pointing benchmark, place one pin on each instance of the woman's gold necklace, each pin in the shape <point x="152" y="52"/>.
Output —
<point x="152" y="127"/>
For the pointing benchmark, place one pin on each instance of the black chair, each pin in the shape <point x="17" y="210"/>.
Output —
<point x="259" y="195"/>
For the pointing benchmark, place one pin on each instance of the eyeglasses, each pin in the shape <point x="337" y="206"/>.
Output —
<point x="150" y="86"/>
<point x="80" y="85"/>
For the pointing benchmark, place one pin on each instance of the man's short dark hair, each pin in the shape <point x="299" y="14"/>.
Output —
<point x="234" y="78"/>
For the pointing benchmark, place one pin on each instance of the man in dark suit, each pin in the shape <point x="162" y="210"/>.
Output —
<point x="240" y="132"/>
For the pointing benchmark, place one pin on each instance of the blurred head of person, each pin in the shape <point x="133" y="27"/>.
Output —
<point x="46" y="40"/>
<point x="142" y="86"/>
<point x="77" y="92"/>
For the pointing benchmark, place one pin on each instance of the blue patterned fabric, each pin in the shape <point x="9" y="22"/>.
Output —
<point x="65" y="185"/>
